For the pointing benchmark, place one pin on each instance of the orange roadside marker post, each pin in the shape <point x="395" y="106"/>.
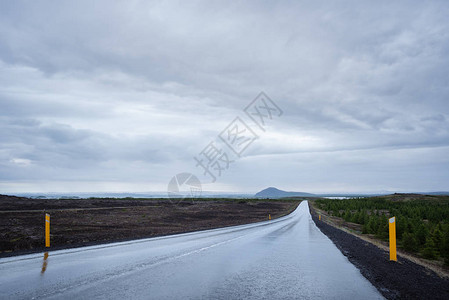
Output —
<point x="269" y="216"/>
<point x="47" y="230"/>
<point x="392" y="229"/>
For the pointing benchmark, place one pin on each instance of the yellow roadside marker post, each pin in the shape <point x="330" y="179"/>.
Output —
<point x="319" y="217"/>
<point x="269" y="216"/>
<point x="392" y="227"/>
<point x="47" y="230"/>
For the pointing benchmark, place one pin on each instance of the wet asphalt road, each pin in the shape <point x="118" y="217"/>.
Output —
<point x="286" y="258"/>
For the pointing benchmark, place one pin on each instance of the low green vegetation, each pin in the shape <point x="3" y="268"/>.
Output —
<point x="422" y="222"/>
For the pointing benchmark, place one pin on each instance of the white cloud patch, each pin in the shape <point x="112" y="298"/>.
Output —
<point x="21" y="161"/>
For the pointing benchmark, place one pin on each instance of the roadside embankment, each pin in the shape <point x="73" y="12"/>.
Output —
<point x="403" y="279"/>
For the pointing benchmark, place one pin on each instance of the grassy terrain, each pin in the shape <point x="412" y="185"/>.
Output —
<point x="422" y="221"/>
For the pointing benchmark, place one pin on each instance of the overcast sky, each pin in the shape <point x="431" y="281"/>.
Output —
<point x="121" y="96"/>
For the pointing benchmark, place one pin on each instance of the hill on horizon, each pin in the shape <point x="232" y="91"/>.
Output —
<point x="273" y="192"/>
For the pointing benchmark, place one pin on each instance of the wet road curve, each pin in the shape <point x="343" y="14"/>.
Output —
<point x="286" y="258"/>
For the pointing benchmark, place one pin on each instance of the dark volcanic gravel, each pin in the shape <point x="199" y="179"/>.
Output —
<point x="401" y="280"/>
<point x="84" y="222"/>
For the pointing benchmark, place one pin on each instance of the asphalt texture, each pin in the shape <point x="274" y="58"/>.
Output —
<point x="286" y="258"/>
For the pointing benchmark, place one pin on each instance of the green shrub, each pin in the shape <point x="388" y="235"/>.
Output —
<point x="409" y="243"/>
<point x="422" y="225"/>
<point x="429" y="249"/>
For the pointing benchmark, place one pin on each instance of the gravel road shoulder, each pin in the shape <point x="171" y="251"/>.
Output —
<point x="395" y="280"/>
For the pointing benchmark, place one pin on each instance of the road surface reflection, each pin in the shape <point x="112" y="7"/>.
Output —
<point x="44" y="263"/>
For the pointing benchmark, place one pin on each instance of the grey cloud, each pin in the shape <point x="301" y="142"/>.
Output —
<point x="61" y="149"/>
<point x="100" y="88"/>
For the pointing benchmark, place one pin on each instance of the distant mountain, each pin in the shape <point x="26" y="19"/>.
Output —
<point x="273" y="192"/>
